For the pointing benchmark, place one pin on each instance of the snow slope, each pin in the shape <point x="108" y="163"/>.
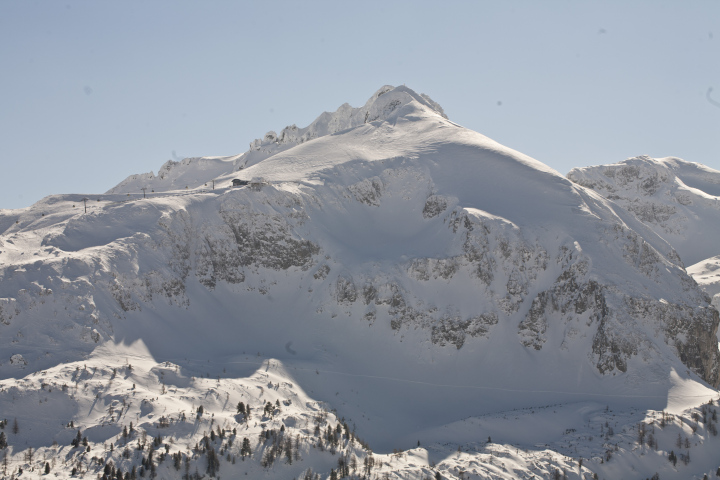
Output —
<point x="405" y="271"/>
<point x="707" y="274"/>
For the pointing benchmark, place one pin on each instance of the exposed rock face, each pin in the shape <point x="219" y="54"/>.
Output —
<point x="454" y="331"/>
<point x="345" y="291"/>
<point x="434" y="206"/>
<point x="248" y="239"/>
<point x="692" y="330"/>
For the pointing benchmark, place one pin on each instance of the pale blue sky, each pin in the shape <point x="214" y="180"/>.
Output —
<point x="91" y="92"/>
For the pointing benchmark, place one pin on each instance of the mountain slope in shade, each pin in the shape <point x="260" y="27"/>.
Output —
<point x="408" y="272"/>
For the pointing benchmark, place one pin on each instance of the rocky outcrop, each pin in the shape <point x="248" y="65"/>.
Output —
<point x="691" y="330"/>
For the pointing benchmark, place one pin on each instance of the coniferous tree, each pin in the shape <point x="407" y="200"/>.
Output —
<point x="245" y="450"/>
<point x="296" y="446"/>
<point x="76" y="441"/>
<point x="3" y="441"/>
<point x="651" y="440"/>
<point x="15" y="427"/>
<point x="288" y="450"/>
<point x="369" y="463"/>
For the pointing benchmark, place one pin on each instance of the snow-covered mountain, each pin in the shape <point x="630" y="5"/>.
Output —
<point x="411" y="274"/>
<point x="679" y="200"/>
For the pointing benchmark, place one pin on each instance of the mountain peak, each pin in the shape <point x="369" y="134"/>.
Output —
<point x="386" y="103"/>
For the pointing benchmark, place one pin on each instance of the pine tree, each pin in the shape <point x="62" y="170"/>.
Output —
<point x="641" y="433"/>
<point x="288" y="450"/>
<point x="3" y="441"/>
<point x="76" y="441"/>
<point x="369" y="463"/>
<point x="245" y="450"/>
<point x="241" y="408"/>
<point x="15" y="427"/>
<point x="47" y="468"/>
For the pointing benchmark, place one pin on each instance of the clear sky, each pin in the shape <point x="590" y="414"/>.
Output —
<point x="91" y="92"/>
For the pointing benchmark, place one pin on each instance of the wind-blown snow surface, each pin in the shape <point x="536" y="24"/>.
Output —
<point x="406" y="271"/>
